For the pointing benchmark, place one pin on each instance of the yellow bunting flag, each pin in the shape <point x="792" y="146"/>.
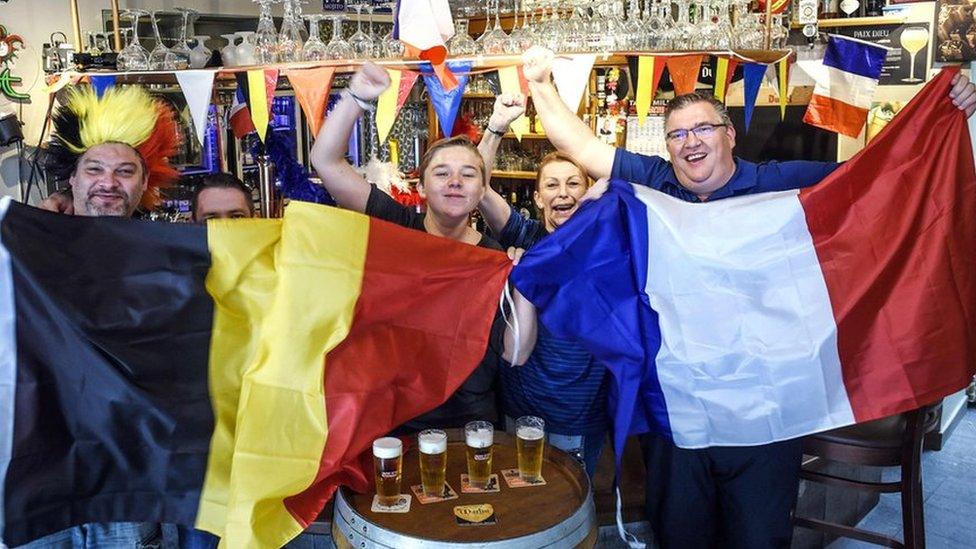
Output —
<point x="260" y="102"/>
<point x="312" y="87"/>
<point x="721" y="72"/>
<point x="509" y="78"/>
<point x="684" y="71"/>
<point x="649" y="70"/>
<point x="386" y="105"/>
<point x="783" y="70"/>
<point x="395" y="152"/>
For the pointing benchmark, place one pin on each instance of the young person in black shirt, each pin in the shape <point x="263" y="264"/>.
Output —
<point x="453" y="182"/>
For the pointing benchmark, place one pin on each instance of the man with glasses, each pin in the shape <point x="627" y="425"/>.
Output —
<point x="720" y="496"/>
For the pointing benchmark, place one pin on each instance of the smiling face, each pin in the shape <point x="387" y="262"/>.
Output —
<point x="108" y="181"/>
<point x="560" y="188"/>
<point x="702" y="165"/>
<point x="453" y="183"/>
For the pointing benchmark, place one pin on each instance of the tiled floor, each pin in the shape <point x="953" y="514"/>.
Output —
<point x="949" y="488"/>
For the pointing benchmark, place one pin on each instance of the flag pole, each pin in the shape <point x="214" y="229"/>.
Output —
<point x="767" y="40"/>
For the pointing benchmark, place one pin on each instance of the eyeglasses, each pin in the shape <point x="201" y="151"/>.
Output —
<point x="703" y="131"/>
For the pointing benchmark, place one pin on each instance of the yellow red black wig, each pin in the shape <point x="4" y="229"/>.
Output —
<point x="127" y="115"/>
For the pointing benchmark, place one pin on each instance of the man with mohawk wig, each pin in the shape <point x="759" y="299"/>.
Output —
<point x="114" y="151"/>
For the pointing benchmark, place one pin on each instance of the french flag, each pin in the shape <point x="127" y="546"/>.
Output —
<point x="767" y="317"/>
<point x="845" y="85"/>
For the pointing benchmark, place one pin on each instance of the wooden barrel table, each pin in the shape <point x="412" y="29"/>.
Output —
<point x="557" y="514"/>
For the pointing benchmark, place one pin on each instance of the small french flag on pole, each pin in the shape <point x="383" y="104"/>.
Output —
<point x="845" y="86"/>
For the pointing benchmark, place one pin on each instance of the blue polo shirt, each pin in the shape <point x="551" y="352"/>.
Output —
<point x="559" y="382"/>
<point x="749" y="178"/>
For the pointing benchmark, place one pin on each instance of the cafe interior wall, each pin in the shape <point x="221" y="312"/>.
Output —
<point x="35" y="21"/>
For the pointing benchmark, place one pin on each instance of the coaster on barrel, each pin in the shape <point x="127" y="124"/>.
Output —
<point x="402" y="505"/>
<point x="475" y="515"/>
<point x="492" y="485"/>
<point x="515" y="480"/>
<point x="418" y="490"/>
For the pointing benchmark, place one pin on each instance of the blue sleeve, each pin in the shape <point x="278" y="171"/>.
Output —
<point x="793" y="174"/>
<point x="520" y="232"/>
<point x="650" y="171"/>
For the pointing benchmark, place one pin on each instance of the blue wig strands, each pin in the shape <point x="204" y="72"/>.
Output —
<point x="292" y="176"/>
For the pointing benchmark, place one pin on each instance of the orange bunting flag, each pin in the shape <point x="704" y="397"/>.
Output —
<point x="684" y="71"/>
<point x="312" y="87"/>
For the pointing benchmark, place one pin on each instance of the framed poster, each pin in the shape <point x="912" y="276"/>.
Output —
<point x="955" y="31"/>
<point x="907" y="63"/>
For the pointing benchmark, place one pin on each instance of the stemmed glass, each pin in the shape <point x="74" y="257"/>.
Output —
<point x="495" y="40"/>
<point x="290" y="37"/>
<point x="133" y="56"/>
<point x="389" y="46"/>
<point x="337" y="48"/>
<point x="362" y="46"/>
<point x="314" y="48"/>
<point x="182" y="49"/>
<point x="461" y="43"/>
<point x="267" y="36"/>
<point x="161" y="58"/>
<point x="521" y="37"/>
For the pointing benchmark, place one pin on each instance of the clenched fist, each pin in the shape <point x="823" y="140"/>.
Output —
<point x="537" y="64"/>
<point x="369" y="82"/>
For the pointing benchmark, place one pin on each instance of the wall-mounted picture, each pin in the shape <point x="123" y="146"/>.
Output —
<point x="956" y="31"/>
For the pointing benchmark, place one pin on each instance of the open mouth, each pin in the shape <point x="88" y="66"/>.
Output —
<point x="563" y="207"/>
<point x="695" y="158"/>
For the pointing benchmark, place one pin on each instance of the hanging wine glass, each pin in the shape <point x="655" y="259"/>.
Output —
<point x="228" y="54"/>
<point x="337" y="48"/>
<point x="521" y="37"/>
<point x="314" y="48"/>
<point x="290" y="37"/>
<point x="267" y="35"/>
<point x="391" y="47"/>
<point x="182" y="49"/>
<point x="362" y="46"/>
<point x="461" y="43"/>
<point x="160" y="58"/>
<point x="200" y="54"/>
<point x="133" y="56"/>
<point x="494" y="41"/>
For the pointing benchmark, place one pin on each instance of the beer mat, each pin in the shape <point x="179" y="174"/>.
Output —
<point x="491" y="487"/>
<point x="475" y="515"/>
<point x="418" y="490"/>
<point x="402" y="505"/>
<point x="514" y="479"/>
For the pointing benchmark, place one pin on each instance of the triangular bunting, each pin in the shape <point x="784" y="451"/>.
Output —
<point x="100" y="83"/>
<point x="684" y="71"/>
<point x="783" y="71"/>
<point x="446" y="102"/>
<point x="312" y="87"/>
<point x="723" y="77"/>
<point x="261" y="84"/>
<point x="649" y="70"/>
<point x="509" y="79"/>
<point x="571" y="74"/>
<point x="392" y="99"/>
<point x="753" y="75"/>
<point x="197" y="88"/>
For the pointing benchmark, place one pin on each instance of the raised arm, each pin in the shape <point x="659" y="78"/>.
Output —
<point x="493" y="206"/>
<point x="329" y="152"/>
<point x="565" y="130"/>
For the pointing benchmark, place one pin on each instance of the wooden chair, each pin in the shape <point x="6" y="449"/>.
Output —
<point x="887" y="442"/>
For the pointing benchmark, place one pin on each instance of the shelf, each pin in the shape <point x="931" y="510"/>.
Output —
<point x="478" y="96"/>
<point x="853" y="22"/>
<point x="512" y="175"/>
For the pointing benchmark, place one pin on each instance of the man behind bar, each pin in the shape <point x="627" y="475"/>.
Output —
<point x="718" y="496"/>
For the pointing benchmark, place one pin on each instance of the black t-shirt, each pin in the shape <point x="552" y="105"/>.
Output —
<point x="475" y="399"/>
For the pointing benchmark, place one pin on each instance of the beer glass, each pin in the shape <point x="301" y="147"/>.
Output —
<point x="478" y="438"/>
<point x="388" y="469"/>
<point x="530" y="440"/>
<point x="433" y="461"/>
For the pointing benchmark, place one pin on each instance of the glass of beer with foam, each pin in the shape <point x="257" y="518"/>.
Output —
<point x="530" y="441"/>
<point x="478" y="438"/>
<point x="433" y="461"/>
<point x="388" y="469"/>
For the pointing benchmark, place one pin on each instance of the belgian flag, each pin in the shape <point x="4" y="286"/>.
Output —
<point x="225" y="376"/>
